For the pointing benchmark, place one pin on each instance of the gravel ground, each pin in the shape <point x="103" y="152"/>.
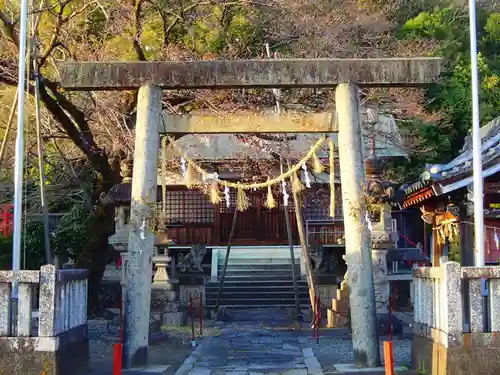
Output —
<point x="172" y="348"/>
<point x="336" y="350"/>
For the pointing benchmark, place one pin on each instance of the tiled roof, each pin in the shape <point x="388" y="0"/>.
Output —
<point x="444" y="178"/>
<point x="490" y="136"/>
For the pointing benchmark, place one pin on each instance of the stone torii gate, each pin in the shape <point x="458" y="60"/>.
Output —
<point x="344" y="74"/>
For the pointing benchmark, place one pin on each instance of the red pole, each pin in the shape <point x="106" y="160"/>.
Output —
<point x="121" y="320"/>
<point x="118" y="348"/>
<point x="201" y="314"/>
<point x="117" y="359"/>
<point x="388" y="358"/>
<point x="389" y="323"/>
<point x="318" y="312"/>
<point x="315" y="316"/>
<point x="191" y="308"/>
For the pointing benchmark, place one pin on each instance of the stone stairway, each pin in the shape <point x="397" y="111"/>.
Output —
<point x="257" y="278"/>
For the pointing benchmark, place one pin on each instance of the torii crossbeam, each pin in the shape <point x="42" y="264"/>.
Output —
<point x="344" y="74"/>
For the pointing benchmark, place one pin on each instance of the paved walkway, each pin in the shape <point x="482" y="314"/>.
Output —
<point x="253" y="342"/>
<point x="253" y="350"/>
<point x="264" y="342"/>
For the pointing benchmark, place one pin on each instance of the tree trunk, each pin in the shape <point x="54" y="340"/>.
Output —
<point x="97" y="254"/>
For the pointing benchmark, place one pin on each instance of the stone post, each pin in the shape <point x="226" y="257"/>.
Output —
<point x="380" y="281"/>
<point x="141" y="237"/>
<point x="383" y="239"/>
<point x="357" y="235"/>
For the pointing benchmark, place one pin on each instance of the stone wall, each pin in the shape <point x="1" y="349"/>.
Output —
<point x="442" y="343"/>
<point x="479" y="355"/>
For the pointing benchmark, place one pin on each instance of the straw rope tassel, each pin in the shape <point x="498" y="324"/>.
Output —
<point x="215" y="196"/>
<point x="258" y="185"/>
<point x="331" y="146"/>
<point x="316" y="164"/>
<point x="242" y="202"/>
<point x="270" y="202"/>
<point x="297" y="185"/>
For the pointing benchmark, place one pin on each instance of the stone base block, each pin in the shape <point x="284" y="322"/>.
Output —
<point x="173" y="319"/>
<point x="479" y="355"/>
<point x="338" y="315"/>
<point x="337" y="320"/>
<point x="352" y="368"/>
<point x="66" y="354"/>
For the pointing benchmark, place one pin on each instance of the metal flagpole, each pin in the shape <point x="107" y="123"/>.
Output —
<point x="476" y="143"/>
<point x="19" y="161"/>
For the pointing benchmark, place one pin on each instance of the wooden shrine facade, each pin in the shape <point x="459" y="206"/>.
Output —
<point x="192" y="219"/>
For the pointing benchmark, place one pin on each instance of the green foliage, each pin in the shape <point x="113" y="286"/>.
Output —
<point x="492" y="27"/>
<point x="73" y="232"/>
<point x="32" y="248"/>
<point x="5" y="252"/>
<point x="69" y="240"/>
<point x="452" y="98"/>
<point x="220" y="29"/>
<point x="428" y="25"/>
<point x="454" y="253"/>
<point x="33" y="243"/>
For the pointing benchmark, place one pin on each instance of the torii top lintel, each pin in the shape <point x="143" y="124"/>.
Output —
<point x="220" y="74"/>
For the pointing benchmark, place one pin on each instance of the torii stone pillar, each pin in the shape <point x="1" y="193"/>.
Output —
<point x="141" y="238"/>
<point x="357" y="235"/>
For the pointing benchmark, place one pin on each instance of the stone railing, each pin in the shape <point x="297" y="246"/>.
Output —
<point x="57" y="341"/>
<point x="482" y="314"/>
<point x="457" y="319"/>
<point x="438" y="303"/>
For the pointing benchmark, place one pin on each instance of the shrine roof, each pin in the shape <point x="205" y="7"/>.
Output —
<point x="439" y="179"/>
<point x="213" y="147"/>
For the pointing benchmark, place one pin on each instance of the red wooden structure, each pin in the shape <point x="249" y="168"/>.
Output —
<point x="193" y="219"/>
<point x="6" y="219"/>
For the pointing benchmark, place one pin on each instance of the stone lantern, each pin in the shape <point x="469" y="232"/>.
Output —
<point x="119" y="197"/>
<point x="384" y="234"/>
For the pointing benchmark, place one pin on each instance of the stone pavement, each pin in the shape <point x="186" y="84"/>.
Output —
<point x="251" y="342"/>
<point x="265" y="343"/>
<point x="250" y="349"/>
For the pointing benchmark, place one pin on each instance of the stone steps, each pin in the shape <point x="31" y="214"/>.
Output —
<point x="258" y="279"/>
